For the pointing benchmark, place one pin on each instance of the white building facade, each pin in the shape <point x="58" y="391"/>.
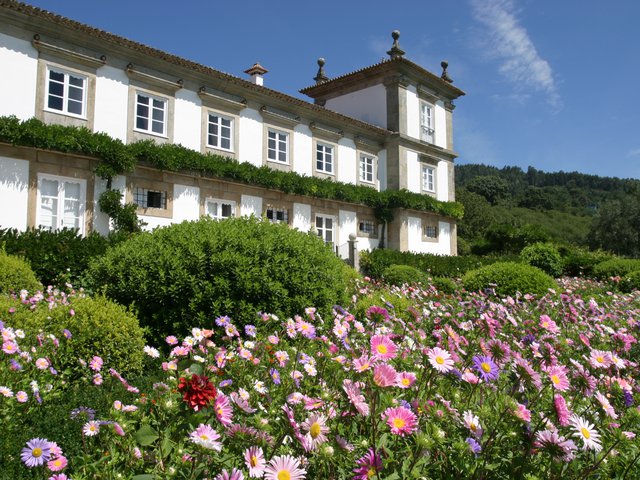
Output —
<point x="388" y="126"/>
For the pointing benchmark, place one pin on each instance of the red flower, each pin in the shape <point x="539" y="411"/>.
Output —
<point x="198" y="392"/>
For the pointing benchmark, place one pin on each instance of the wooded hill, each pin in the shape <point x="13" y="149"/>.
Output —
<point x="508" y="207"/>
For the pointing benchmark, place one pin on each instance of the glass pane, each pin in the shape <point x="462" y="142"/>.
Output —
<point x="57" y="76"/>
<point x="74" y="107"/>
<point x="158" y="104"/>
<point x="49" y="187"/>
<point x="56" y="89"/>
<point x="76" y="81"/>
<point x="71" y="190"/>
<point x="226" y="143"/>
<point x="226" y="122"/>
<point x="226" y="210"/>
<point x="212" y="209"/>
<point x="75" y="93"/>
<point x="142" y="100"/>
<point x="142" y="111"/>
<point x="329" y="223"/>
<point x="142" y="123"/>
<point x="157" y="127"/>
<point x="54" y="103"/>
<point x="49" y="203"/>
<point x="158" y="115"/>
<point x="272" y="144"/>
<point x="213" y="129"/>
<point x="282" y="156"/>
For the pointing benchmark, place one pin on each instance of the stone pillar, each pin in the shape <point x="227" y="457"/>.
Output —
<point x="354" y="256"/>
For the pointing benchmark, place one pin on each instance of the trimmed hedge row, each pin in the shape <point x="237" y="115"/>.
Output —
<point x="16" y="274"/>
<point x="508" y="278"/>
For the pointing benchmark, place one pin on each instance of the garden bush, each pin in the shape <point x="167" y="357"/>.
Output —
<point x="97" y="326"/>
<point x="444" y="285"/>
<point x="16" y="274"/>
<point x="580" y="261"/>
<point x="401" y="274"/>
<point x="616" y="267"/>
<point x="56" y="257"/>
<point x="508" y="278"/>
<point x="545" y="256"/>
<point x="630" y="282"/>
<point x="192" y="272"/>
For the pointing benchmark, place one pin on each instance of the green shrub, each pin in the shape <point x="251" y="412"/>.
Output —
<point x="580" y="261"/>
<point x="98" y="327"/>
<point x="444" y="285"/>
<point x="507" y="278"/>
<point x="186" y="274"/>
<point x="630" y="282"/>
<point x="401" y="274"/>
<point x="545" y="256"/>
<point x="16" y="274"/>
<point x="56" y="257"/>
<point x="616" y="267"/>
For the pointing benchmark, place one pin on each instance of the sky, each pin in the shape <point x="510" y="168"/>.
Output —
<point x="552" y="84"/>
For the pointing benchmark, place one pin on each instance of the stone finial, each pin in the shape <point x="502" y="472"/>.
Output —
<point x="320" y="76"/>
<point x="445" y="76"/>
<point x="396" y="51"/>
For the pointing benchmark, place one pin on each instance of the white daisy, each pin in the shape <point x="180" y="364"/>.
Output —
<point x="586" y="432"/>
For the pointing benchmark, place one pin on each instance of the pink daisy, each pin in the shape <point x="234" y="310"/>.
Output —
<point x="206" y="437"/>
<point x="362" y="364"/>
<point x="548" y="324"/>
<point x="600" y="359"/>
<point x="235" y="474"/>
<point x="224" y="411"/>
<point x="254" y="459"/>
<point x="558" y="376"/>
<point x="401" y="420"/>
<point x="284" y="467"/>
<point x="523" y="413"/>
<point x="9" y="348"/>
<point x="606" y="406"/>
<point x="405" y="379"/>
<point x="316" y="427"/>
<point x="384" y="375"/>
<point x="561" y="410"/>
<point x="440" y="359"/>
<point x="352" y="389"/>
<point x="472" y="422"/>
<point x="57" y="464"/>
<point x="382" y="347"/>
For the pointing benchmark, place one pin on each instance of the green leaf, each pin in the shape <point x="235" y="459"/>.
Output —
<point x="144" y="476"/>
<point x="146" y="435"/>
<point x="167" y="447"/>
<point x="196" y="368"/>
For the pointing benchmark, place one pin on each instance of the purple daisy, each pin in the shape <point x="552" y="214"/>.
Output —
<point x="369" y="464"/>
<point x="475" y="447"/>
<point x="486" y="367"/>
<point x="36" y="453"/>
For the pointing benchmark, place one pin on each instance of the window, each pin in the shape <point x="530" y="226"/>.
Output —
<point x="151" y="114"/>
<point x="277" y="215"/>
<point x="428" y="178"/>
<point x="426" y="122"/>
<point x="324" y="225"/>
<point x="220" y="132"/>
<point x="366" y="168"/>
<point x="368" y="227"/>
<point x="220" y="209"/>
<point x="66" y="93"/>
<point x="278" y="146"/>
<point x="324" y="158"/>
<point x="146" y="198"/>
<point x="430" y="232"/>
<point x="61" y="203"/>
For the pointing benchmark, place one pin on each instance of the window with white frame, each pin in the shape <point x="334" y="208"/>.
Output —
<point x="277" y="214"/>
<point x="430" y="231"/>
<point x="325" y="226"/>
<point x="151" y="114"/>
<point x="368" y="227"/>
<point x="147" y="198"/>
<point x="366" y="168"/>
<point x="61" y="203"/>
<point x="428" y="178"/>
<point x="220" y="209"/>
<point x="66" y="93"/>
<point x="324" y="158"/>
<point x="220" y="132"/>
<point x="278" y="146"/>
<point x="426" y="122"/>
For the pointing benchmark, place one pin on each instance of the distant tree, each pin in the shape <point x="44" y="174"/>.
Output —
<point x="491" y="187"/>
<point x="616" y="227"/>
<point x="478" y="216"/>
<point x="536" y="198"/>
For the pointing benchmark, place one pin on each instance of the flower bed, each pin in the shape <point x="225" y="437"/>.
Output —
<point x="462" y="386"/>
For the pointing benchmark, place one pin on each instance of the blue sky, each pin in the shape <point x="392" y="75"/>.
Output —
<point x="550" y="83"/>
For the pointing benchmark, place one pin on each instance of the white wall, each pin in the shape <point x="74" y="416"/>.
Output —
<point x="302" y="150"/>
<point x="346" y="226"/>
<point x="347" y="170"/>
<point x="413" y="112"/>
<point x="414" y="173"/>
<point x="186" y="203"/>
<point x="187" y="124"/>
<point x="112" y="97"/>
<point x="441" y="247"/>
<point x="154" y="222"/>
<point x="250" y="137"/>
<point x="301" y="217"/>
<point x="440" y="125"/>
<point x="14" y="193"/>
<point x="368" y="105"/>
<point x="250" y="205"/>
<point x="18" y="77"/>
<point x="442" y="181"/>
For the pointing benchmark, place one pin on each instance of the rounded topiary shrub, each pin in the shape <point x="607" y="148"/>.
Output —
<point x="403" y="274"/>
<point x="545" y="256"/>
<point x="508" y="278"/>
<point x="630" y="282"/>
<point x="616" y="267"/>
<point x="98" y="326"/>
<point x="16" y="275"/>
<point x="444" y="285"/>
<point x="187" y="274"/>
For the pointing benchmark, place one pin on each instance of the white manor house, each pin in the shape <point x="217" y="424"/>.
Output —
<point x="387" y="126"/>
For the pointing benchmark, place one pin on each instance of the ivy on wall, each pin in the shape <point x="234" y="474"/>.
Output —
<point x="117" y="158"/>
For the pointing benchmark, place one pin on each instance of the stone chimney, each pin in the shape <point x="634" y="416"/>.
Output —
<point x="256" y="72"/>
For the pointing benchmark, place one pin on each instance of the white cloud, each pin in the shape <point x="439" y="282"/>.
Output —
<point x="633" y="153"/>
<point x="509" y="42"/>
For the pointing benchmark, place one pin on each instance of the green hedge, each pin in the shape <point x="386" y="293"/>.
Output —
<point x="580" y="261"/>
<point x="616" y="267"/>
<point x="16" y="274"/>
<point x="545" y="256"/>
<point x="508" y="278"/>
<point x="187" y="274"/>
<point x="403" y="274"/>
<point x="118" y="158"/>
<point x="630" y="282"/>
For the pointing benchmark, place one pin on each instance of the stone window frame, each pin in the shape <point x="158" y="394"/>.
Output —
<point x="374" y="169"/>
<point x="432" y="128"/>
<point x="82" y="230"/>
<point x="370" y="220"/>
<point x="165" y="110"/>
<point x="321" y="231"/>
<point x="156" y="186"/>
<point x="216" y="102"/>
<point x="232" y="203"/>
<point x="234" y="121"/>
<point x="278" y="207"/>
<point x="134" y="134"/>
<point x="334" y="158"/>
<point x="288" y="144"/>
<point x="424" y="167"/>
<point x="430" y="224"/>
